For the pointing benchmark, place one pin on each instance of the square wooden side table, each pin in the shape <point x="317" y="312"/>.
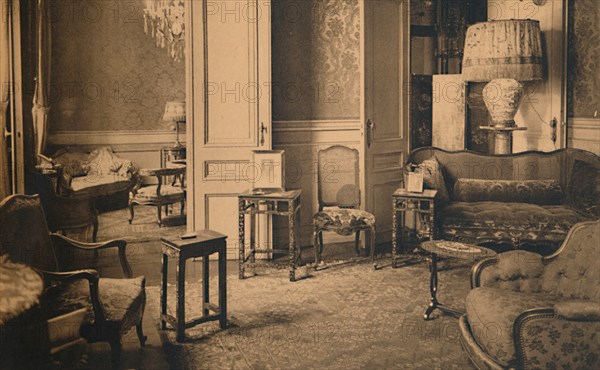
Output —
<point x="282" y="203"/>
<point x="423" y="204"/>
<point x="203" y="245"/>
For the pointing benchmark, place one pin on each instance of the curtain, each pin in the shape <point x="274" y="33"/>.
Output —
<point x="41" y="97"/>
<point x="5" y="91"/>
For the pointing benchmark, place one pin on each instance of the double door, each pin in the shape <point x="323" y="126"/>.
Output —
<point x="229" y="105"/>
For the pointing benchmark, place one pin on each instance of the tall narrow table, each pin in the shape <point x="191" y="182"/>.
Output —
<point x="203" y="245"/>
<point x="423" y="204"/>
<point x="282" y="203"/>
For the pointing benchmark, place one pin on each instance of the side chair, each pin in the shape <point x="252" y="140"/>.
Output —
<point x="339" y="199"/>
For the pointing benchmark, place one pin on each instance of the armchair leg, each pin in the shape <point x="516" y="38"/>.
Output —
<point x="320" y="242"/>
<point x="159" y="213"/>
<point x="131" y="212"/>
<point x="372" y="235"/>
<point x="182" y="207"/>
<point x="95" y="231"/>
<point x="357" y="242"/>
<point x="115" y="352"/>
<point x="140" y="334"/>
<point x="316" y="243"/>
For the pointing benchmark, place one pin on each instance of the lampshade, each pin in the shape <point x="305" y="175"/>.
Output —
<point x="503" y="49"/>
<point x="175" y="111"/>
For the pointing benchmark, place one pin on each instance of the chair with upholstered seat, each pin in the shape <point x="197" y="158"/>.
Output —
<point x="339" y="199"/>
<point x="161" y="195"/>
<point x="100" y="309"/>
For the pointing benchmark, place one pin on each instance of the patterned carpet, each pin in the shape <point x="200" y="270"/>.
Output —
<point x="344" y="317"/>
<point x="144" y="228"/>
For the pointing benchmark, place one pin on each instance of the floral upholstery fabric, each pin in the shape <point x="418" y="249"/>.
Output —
<point x="518" y="222"/>
<point x="343" y="220"/>
<point x="585" y="188"/>
<point x="167" y="192"/>
<point x="551" y="343"/>
<point x="121" y="299"/>
<point x="491" y="314"/>
<point x="543" y="192"/>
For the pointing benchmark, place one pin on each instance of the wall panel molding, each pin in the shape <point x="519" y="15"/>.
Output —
<point x="584" y="133"/>
<point x="142" y="147"/>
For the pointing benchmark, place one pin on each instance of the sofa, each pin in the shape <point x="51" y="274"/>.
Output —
<point x="530" y="198"/>
<point x="526" y="311"/>
<point x="97" y="173"/>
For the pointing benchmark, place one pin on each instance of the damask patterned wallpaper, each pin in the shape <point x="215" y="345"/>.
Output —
<point x="583" y="58"/>
<point x="106" y="73"/>
<point x="316" y="59"/>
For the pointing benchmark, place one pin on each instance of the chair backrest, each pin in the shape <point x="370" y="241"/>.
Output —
<point x="572" y="271"/>
<point x="24" y="234"/>
<point x="338" y="177"/>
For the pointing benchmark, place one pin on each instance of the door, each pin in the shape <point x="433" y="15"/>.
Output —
<point x="228" y="65"/>
<point x="385" y="111"/>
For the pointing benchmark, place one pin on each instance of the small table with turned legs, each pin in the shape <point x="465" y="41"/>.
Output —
<point x="203" y="245"/>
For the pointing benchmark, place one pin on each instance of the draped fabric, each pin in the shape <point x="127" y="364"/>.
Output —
<point x="41" y="97"/>
<point x="5" y="83"/>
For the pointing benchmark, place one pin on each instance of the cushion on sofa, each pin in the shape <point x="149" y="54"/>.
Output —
<point x="433" y="178"/>
<point x="543" y="192"/>
<point x="491" y="314"/>
<point x="74" y="163"/>
<point x="96" y="185"/>
<point x="507" y="221"/>
<point x="584" y="188"/>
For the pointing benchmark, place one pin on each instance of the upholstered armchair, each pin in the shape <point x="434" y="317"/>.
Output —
<point x="526" y="311"/>
<point x="100" y="309"/>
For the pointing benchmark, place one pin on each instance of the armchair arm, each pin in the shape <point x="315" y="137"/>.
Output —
<point x="515" y="270"/>
<point x="62" y="240"/>
<point x="546" y="339"/>
<point x="93" y="279"/>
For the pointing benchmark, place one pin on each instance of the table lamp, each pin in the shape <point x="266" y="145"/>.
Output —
<point x="175" y="112"/>
<point x="502" y="53"/>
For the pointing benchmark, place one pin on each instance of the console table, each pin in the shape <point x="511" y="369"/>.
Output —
<point x="282" y="203"/>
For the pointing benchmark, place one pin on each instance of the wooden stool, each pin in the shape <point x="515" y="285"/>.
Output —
<point x="203" y="245"/>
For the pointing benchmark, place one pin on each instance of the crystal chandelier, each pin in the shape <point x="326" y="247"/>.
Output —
<point x="164" y="20"/>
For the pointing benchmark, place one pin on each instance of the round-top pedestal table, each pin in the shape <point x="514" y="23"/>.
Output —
<point x="451" y="249"/>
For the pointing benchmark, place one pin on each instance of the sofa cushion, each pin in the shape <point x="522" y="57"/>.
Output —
<point x="543" y="192"/>
<point x="507" y="221"/>
<point x="96" y="185"/>
<point x="491" y="314"/>
<point x="73" y="163"/>
<point x="584" y="188"/>
<point x="433" y="178"/>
